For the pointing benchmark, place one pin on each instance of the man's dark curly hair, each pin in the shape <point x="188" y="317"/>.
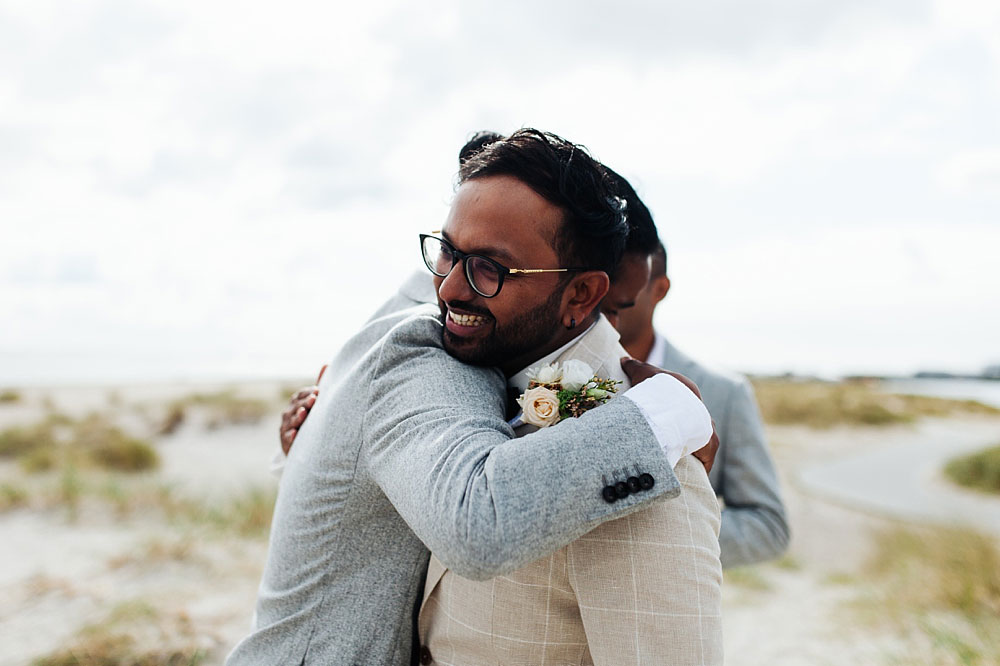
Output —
<point x="479" y="140"/>
<point x="642" y="235"/>
<point x="594" y="227"/>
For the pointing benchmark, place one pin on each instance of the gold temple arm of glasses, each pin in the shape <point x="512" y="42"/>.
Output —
<point x="528" y="270"/>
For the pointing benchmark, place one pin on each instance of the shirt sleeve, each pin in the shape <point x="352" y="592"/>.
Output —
<point x="677" y="417"/>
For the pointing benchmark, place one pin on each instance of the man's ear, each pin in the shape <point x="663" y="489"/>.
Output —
<point x="660" y="288"/>
<point x="582" y="296"/>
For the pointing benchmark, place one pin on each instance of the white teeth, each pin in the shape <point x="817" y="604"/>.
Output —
<point x="466" y="320"/>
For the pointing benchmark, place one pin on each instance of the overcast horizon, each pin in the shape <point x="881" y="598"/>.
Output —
<point x="212" y="190"/>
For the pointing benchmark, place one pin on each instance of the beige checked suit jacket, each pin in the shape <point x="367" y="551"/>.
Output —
<point x="644" y="589"/>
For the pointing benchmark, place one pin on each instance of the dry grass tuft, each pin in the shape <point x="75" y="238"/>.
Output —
<point x="106" y="446"/>
<point x="979" y="470"/>
<point x="749" y="578"/>
<point x="940" y="588"/>
<point x="221" y="409"/>
<point x="826" y="404"/>
<point x="22" y="440"/>
<point x="133" y="634"/>
<point x="176" y="414"/>
<point x="12" y="497"/>
<point x="157" y="552"/>
<point x="8" y="396"/>
<point x="247" y="515"/>
<point x="59" y="442"/>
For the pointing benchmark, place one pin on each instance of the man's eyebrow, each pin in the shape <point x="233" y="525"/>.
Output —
<point x="626" y="306"/>
<point x="492" y="252"/>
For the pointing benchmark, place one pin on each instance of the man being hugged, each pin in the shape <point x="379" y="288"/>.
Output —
<point x="408" y="448"/>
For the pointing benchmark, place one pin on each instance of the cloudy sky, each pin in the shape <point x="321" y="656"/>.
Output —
<point x="228" y="189"/>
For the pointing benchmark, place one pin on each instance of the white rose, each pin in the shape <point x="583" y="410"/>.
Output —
<point x="547" y="374"/>
<point x="540" y="406"/>
<point x="575" y="374"/>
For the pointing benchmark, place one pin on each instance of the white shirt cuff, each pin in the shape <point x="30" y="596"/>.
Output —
<point x="676" y="415"/>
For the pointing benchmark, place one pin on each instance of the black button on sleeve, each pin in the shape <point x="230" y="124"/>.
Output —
<point x="633" y="484"/>
<point x="609" y="494"/>
<point x="621" y="489"/>
<point x="425" y="656"/>
<point x="646" y="481"/>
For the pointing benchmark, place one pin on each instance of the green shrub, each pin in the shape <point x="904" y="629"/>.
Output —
<point x="980" y="470"/>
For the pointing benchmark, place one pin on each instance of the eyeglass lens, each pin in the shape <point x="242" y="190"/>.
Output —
<point x="482" y="274"/>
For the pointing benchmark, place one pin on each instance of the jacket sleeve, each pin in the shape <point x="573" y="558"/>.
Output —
<point x="436" y="442"/>
<point x="754" y="526"/>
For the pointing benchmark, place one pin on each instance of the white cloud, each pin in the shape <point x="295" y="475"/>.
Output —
<point x="198" y="180"/>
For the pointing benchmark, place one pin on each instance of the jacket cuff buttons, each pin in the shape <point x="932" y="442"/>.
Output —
<point x="622" y="489"/>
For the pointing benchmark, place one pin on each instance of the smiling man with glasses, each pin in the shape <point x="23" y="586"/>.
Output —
<point x="408" y="448"/>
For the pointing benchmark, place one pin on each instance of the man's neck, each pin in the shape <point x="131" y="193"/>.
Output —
<point x="640" y="347"/>
<point x="564" y="337"/>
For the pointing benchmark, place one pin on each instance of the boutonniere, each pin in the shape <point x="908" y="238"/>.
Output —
<point x="559" y="391"/>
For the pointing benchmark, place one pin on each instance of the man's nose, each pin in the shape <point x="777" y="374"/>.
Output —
<point x="454" y="287"/>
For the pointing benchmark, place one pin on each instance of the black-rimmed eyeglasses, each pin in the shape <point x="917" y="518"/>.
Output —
<point x="485" y="275"/>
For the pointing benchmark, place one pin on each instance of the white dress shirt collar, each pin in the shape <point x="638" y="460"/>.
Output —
<point x="520" y="380"/>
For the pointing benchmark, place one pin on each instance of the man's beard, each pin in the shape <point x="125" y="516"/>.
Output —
<point x="528" y="332"/>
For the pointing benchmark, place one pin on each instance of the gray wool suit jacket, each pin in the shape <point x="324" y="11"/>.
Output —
<point x="405" y="450"/>
<point x="754" y="525"/>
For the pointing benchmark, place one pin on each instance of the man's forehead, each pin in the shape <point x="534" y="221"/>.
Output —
<point x="501" y="216"/>
<point x="482" y="247"/>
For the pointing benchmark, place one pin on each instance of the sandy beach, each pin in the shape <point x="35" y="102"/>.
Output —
<point x="164" y="563"/>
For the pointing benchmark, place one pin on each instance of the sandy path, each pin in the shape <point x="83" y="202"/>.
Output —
<point x="902" y="478"/>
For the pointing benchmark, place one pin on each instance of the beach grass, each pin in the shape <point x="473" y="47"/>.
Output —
<point x="940" y="589"/>
<point x="748" y="578"/>
<point x="980" y="470"/>
<point x="8" y="396"/>
<point x="227" y="408"/>
<point x="820" y="404"/>
<point x="75" y="489"/>
<point x="12" y="496"/>
<point x="22" y="440"/>
<point x="58" y="441"/>
<point x="133" y="633"/>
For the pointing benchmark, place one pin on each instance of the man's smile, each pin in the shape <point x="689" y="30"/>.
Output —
<point x="464" y="324"/>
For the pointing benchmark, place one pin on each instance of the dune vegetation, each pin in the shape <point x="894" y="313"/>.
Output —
<point x="820" y="404"/>
<point x="93" y="441"/>
<point x="980" y="470"/>
<point x="940" y="590"/>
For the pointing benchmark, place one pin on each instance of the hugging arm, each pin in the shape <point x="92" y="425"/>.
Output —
<point x="437" y="444"/>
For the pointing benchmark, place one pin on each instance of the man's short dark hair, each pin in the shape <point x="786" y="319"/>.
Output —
<point x="594" y="226"/>
<point x="479" y="140"/>
<point x="658" y="266"/>
<point x="642" y="236"/>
